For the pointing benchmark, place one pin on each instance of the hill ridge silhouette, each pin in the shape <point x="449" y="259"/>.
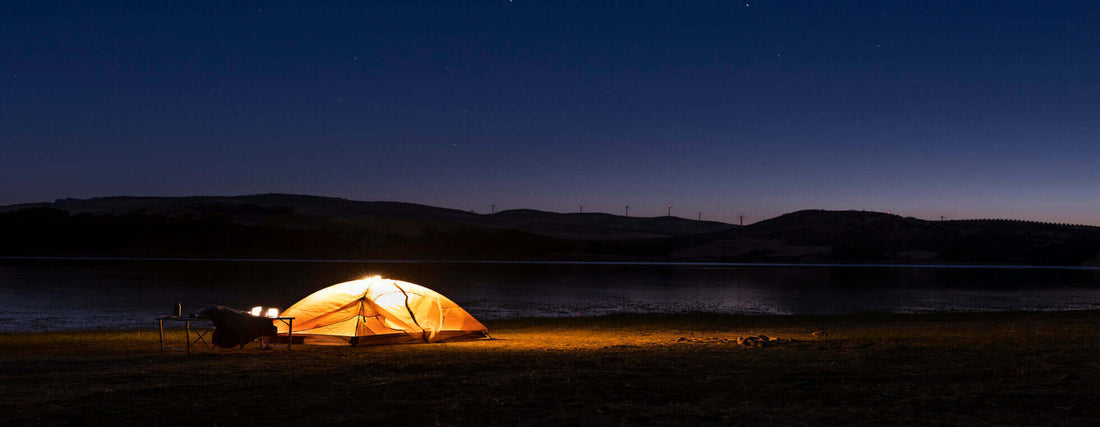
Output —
<point x="277" y="225"/>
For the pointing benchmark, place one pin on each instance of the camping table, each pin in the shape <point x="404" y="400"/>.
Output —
<point x="200" y="333"/>
<point x="289" y="322"/>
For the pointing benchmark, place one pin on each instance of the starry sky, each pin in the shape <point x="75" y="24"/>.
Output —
<point x="970" y="109"/>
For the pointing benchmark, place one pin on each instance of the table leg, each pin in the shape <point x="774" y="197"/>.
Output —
<point x="289" y="334"/>
<point x="187" y="329"/>
<point x="161" y="322"/>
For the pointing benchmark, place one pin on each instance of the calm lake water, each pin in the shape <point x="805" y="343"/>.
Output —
<point x="71" y="294"/>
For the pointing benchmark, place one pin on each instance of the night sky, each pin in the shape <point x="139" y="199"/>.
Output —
<point x="967" y="109"/>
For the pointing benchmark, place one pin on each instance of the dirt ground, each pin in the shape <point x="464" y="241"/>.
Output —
<point x="957" y="369"/>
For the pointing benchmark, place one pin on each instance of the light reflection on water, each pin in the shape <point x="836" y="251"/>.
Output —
<point x="70" y="294"/>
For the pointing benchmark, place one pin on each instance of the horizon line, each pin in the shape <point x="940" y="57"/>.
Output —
<point x="494" y="211"/>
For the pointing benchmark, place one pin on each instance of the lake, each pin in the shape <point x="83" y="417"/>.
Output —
<point x="75" y="294"/>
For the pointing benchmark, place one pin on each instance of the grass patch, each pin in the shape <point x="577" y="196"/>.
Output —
<point x="990" y="368"/>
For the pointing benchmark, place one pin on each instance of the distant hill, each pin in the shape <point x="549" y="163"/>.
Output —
<point x="604" y="226"/>
<point x="297" y="226"/>
<point x="311" y="227"/>
<point x="860" y="236"/>
<point x="313" y="212"/>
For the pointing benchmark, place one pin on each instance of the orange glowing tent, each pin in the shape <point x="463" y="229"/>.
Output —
<point x="379" y="311"/>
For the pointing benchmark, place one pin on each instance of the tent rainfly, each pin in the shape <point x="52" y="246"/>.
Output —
<point x="379" y="311"/>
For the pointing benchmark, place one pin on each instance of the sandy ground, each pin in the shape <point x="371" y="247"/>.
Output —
<point x="958" y="369"/>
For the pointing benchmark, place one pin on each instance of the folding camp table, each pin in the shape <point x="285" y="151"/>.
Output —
<point x="203" y="332"/>
<point x="289" y="322"/>
<point x="200" y="333"/>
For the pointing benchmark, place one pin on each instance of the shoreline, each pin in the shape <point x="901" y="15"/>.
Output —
<point x="855" y="316"/>
<point x="680" y="369"/>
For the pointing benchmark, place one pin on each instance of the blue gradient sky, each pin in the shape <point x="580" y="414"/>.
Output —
<point x="962" y="109"/>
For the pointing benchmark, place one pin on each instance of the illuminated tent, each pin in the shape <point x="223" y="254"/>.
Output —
<point x="379" y="311"/>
